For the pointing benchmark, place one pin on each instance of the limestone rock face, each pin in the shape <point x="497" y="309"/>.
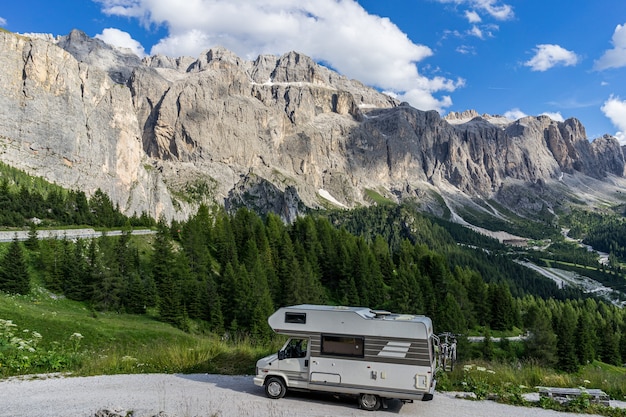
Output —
<point x="73" y="125"/>
<point x="280" y="133"/>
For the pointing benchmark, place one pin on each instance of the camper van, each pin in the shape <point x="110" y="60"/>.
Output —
<point x="372" y="354"/>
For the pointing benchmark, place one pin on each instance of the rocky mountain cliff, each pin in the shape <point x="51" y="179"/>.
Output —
<point x="278" y="133"/>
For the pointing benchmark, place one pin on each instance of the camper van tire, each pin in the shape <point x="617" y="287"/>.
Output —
<point x="427" y="397"/>
<point x="275" y="387"/>
<point x="369" y="402"/>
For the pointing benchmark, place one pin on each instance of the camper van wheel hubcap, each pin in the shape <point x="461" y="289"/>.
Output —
<point x="370" y="401"/>
<point x="275" y="388"/>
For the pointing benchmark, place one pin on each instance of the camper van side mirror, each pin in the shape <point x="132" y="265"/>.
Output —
<point x="281" y="355"/>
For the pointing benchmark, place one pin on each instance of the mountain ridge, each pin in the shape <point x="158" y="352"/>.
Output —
<point x="274" y="134"/>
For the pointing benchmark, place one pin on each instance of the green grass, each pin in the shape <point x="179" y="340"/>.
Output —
<point x="112" y="343"/>
<point x="377" y="198"/>
<point x="506" y="383"/>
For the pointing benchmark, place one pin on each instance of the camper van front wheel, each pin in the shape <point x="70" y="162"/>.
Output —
<point x="275" y="387"/>
<point x="369" y="402"/>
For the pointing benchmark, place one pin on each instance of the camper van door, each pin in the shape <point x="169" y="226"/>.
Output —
<point x="294" y="361"/>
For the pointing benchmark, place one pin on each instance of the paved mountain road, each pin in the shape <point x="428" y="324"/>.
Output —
<point x="8" y="236"/>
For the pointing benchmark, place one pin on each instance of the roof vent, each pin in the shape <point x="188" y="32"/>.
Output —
<point x="380" y="313"/>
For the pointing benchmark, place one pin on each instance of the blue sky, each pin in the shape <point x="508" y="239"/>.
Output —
<point x="564" y="58"/>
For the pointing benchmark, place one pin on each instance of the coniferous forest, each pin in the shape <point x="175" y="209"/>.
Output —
<point x="226" y="273"/>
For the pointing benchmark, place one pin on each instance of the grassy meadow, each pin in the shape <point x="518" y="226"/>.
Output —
<point x="41" y="333"/>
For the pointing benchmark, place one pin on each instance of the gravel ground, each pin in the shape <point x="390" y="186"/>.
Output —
<point x="204" y="395"/>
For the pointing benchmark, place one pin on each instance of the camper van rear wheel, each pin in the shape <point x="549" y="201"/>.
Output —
<point x="275" y="387"/>
<point x="369" y="402"/>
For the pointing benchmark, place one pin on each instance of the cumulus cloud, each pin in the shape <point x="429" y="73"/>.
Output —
<point x="475" y="31"/>
<point x="514" y="114"/>
<point x="615" y="110"/>
<point x="472" y="16"/>
<point x="548" y="56"/>
<point x="493" y="8"/>
<point x="121" y="39"/>
<point x="341" y="34"/>
<point x="616" y="57"/>
<point x="557" y="116"/>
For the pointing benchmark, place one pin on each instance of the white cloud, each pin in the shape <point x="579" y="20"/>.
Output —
<point x="465" y="50"/>
<point x="615" y="110"/>
<point x="121" y="39"/>
<point x="548" y="56"/>
<point x="616" y="57"/>
<point x="472" y="16"/>
<point x="475" y="31"/>
<point x="514" y="114"/>
<point x="342" y="34"/>
<point x="491" y="7"/>
<point x="557" y="116"/>
<point x="3" y="21"/>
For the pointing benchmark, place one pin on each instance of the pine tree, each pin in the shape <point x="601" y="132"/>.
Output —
<point x="501" y="302"/>
<point x="585" y="339"/>
<point x="32" y="243"/>
<point x="51" y="257"/>
<point x="134" y="298"/>
<point x="565" y="332"/>
<point x="478" y="296"/>
<point x="14" y="275"/>
<point x="451" y="318"/>
<point x="541" y="344"/>
<point x="487" y="348"/>
<point x="163" y="272"/>
<point x="609" y="345"/>
<point x="75" y="270"/>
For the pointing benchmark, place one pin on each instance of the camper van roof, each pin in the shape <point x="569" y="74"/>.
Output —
<point x="364" y="312"/>
<point x="310" y="318"/>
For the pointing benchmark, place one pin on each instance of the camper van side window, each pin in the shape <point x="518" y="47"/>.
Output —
<point x="297" y="318"/>
<point x="342" y="346"/>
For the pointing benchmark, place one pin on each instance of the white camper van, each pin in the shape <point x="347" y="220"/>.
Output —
<point x="351" y="350"/>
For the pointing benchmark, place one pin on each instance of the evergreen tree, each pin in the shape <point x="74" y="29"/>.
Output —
<point x="135" y="295"/>
<point x="51" y="256"/>
<point x="228" y="296"/>
<point x="477" y="292"/>
<point x="502" y="306"/>
<point x="609" y="345"/>
<point x="451" y="318"/>
<point x="213" y="308"/>
<point x="542" y="343"/>
<point x="14" y="274"/>
<point x="75" y="270"/>
<point x="585" y="339"/>
<point x="163" y="271"/>
<point x="290" y="275"/>
<point x="32" y="243"/>
<point x="565" y="332"/>
<point x="487" y="348"/>
<point x="103" y="210"/>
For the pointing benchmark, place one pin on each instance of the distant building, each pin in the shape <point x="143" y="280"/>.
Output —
<point x="520" y="243"/>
